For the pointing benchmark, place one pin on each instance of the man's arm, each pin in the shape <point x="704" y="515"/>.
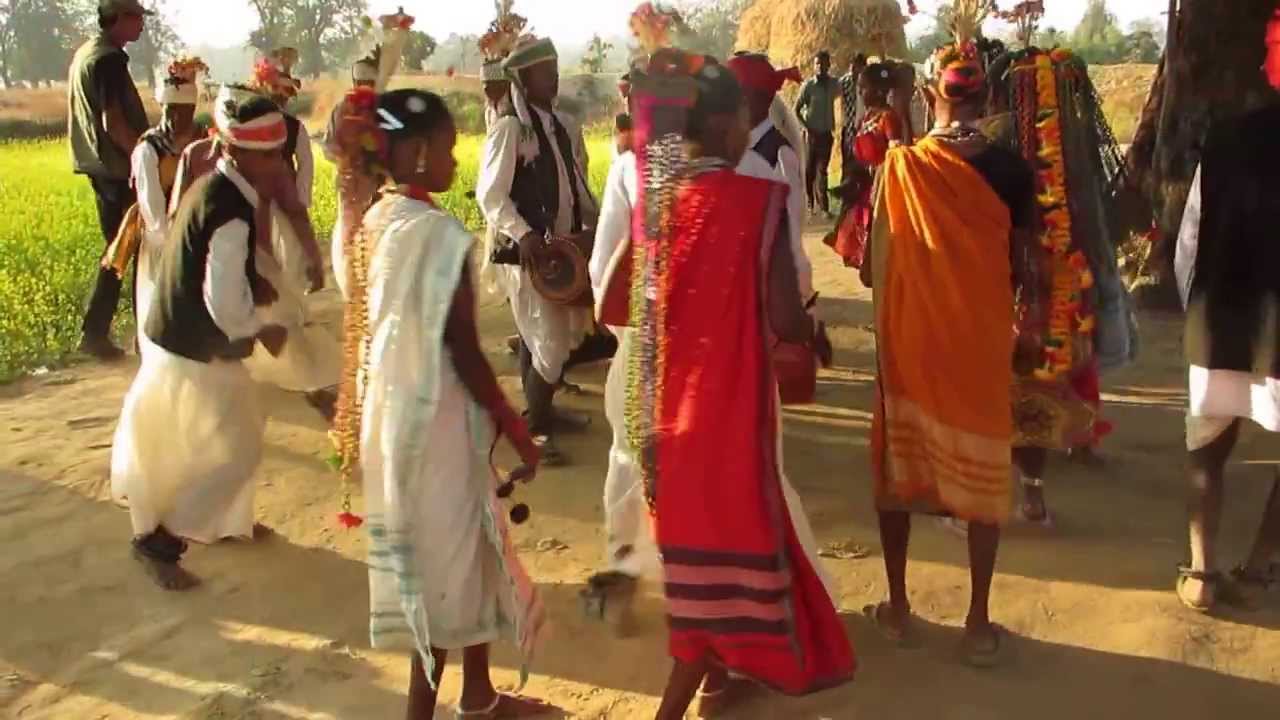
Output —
<point x="226" y="290"/>
<point x="497" y="172"/>
<point x="802" y="102"/>
<point x="793" y="174"/>
<point x="306" y="166"/>
<point x="151" y="200"/>
<point x="112" y="82"/>
<point x="614" y="228"/>
<point x="329" y="144"/>
<point x="1184" y="259"/>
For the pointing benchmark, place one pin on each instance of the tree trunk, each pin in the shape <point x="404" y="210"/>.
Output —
<point x="1210" y="72"/>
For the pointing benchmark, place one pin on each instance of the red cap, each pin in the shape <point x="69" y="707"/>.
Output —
<point x="755" y="72"/>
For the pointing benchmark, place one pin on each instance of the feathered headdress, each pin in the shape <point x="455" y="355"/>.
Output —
<point x="504" y="34"/>
<point x="273" y="74"/>
<point x="958" y="68"/>
<point x="382" y="48"/>
<point x="504" y="31"/>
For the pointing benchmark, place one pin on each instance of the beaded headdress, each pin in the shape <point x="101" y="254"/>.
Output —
<point x="179" y="86"/>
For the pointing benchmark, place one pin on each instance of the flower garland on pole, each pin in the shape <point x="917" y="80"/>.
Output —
<point x="1069" y="316"/>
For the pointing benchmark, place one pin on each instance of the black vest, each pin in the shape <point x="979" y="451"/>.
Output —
<point x="293" y="127"/>
<point x="770" y="145"/>
<point x="535" y="189"/>
<point x="179" y="320"/>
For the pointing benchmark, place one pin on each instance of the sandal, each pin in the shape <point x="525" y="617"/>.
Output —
<point x="1248" y="578"/>
<point x="1212" y="580"/>
<point x="1044" y="522"/>
<point x="901" y="637"/>
<point x="984" y="657"/>
<point x="536" y="708"/>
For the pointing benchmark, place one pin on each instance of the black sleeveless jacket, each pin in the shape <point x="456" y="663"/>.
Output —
<point x="179" y="320"/>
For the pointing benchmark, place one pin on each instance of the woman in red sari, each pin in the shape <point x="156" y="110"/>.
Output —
<point x="714" y="288"/>
<point x="880" y="129"/>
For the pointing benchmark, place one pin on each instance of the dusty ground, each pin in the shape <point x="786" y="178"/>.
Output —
<point x="279" y="629"/>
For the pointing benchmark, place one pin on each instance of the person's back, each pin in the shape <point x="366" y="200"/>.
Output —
<point x="1237" y="263"/>
<point x="95" y="75"/>
<point x="713" y="314"/>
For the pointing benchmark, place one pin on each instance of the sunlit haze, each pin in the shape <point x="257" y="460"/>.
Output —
<point x="227" y="23"/>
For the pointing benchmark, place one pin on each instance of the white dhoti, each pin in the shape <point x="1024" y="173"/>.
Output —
<point x="550" y="330"/>
<point x="312" y="356"/>
<point x="187" y="446"/>
<point x="144" y="284"/>
<point x="630" y="548"/>
<point x="1217" y="398"/>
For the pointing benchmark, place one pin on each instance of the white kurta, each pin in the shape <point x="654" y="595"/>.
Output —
<point x="629" y="546"/>
<point x="550" y="330"/>
<point x="791" y="173"/>
<point x="1216" y="398"/>
<point x="153" y="205"/>
<point x="190" y="434"/>
<point x="442" y="569"/>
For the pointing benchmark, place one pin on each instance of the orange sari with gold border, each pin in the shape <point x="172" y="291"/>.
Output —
<point x="942" y="434"/>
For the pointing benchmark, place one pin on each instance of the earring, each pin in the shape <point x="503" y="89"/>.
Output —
<point x="422" y="159"/>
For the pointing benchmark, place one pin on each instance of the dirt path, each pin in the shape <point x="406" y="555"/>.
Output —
<point x="279" y="630"/>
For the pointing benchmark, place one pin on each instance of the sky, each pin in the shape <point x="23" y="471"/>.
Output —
<point x="226" y="23"/>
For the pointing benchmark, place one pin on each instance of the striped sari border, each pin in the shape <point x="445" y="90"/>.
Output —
<point x="710" y="558"/>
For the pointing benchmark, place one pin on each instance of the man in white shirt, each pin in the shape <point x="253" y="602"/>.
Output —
<point x="190" y="433"/>
<point x="532" y="184"/>
<point x="770" y="154"/>
<point x="629" y="549"/>
<point x="154" y="166"/>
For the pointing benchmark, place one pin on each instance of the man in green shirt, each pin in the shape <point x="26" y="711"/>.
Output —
<point x="816" y="108"/>
<point x="105" y="119"/>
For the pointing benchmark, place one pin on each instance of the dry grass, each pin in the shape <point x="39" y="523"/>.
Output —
<point x="1124" y="90"/>
<point x="792" y="31"/>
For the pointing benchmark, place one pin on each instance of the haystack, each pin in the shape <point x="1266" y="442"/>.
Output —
<point x="793" y="31"/>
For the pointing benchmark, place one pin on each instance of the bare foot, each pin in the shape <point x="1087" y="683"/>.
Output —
<point x="715" y="702"/>
<point x="324" y="402"/>
<point x="508" y="706"/>
<point x="1034" y="509"/>
<point x="168" y="575"/>
<point x="1088" y="457"/>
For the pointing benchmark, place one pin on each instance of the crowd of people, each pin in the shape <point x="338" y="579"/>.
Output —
<point x="996" y="308"/>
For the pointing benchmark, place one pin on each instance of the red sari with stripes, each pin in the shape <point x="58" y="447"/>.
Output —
<point x="739" y="587"/>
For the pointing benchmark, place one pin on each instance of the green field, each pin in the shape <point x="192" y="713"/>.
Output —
<point x="50" y="244"/>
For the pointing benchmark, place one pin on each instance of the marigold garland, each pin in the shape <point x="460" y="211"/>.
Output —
<point x="1069" y="316"/>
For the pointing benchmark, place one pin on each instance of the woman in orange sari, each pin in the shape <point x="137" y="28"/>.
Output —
<point x="714" y="284"/>
<point x="880" y="129"/>
<point x="952" y="217"/>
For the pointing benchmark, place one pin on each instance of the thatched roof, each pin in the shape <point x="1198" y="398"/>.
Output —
<point x="793" y="31"/>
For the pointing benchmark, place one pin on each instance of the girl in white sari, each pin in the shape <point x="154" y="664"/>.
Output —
<point x="443" y="572"/>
